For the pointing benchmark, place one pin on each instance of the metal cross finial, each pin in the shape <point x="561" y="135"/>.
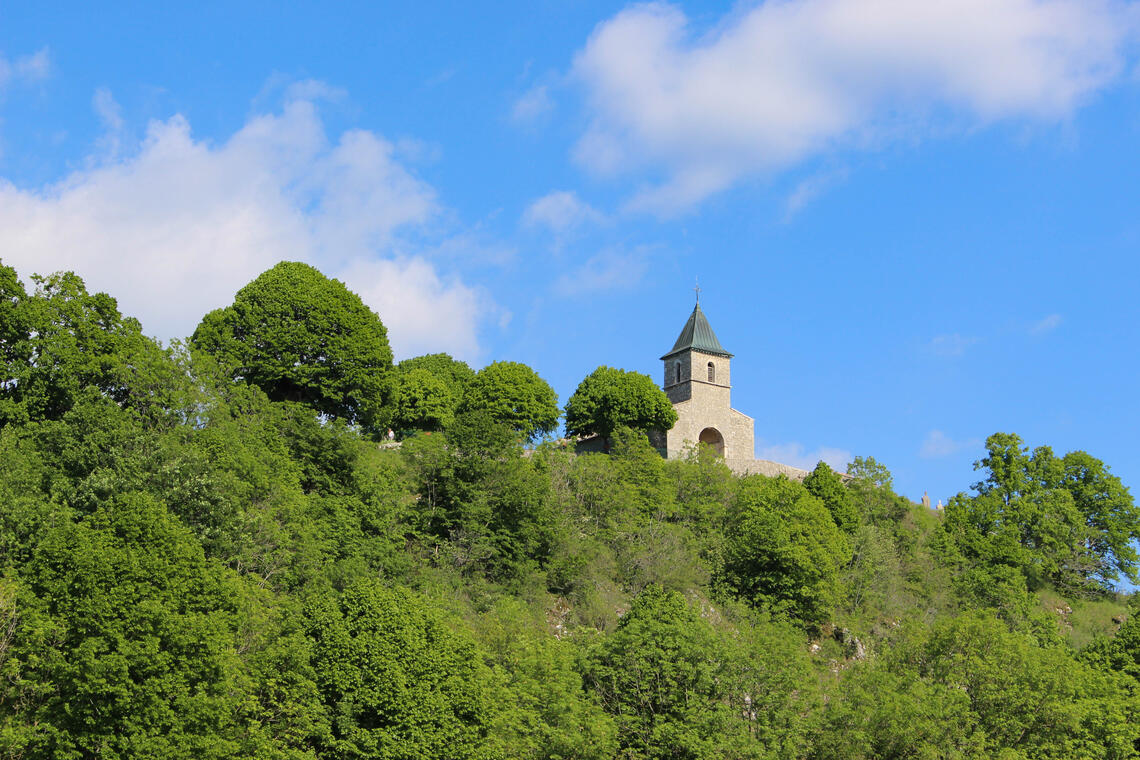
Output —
<point x="697" y="290"/>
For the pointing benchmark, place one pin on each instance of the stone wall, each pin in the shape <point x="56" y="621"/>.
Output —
<point x="694" y="374"/>
<point x="705" y="407"/>
<point x="743" y="465"/>
<point x="765" y="467"/>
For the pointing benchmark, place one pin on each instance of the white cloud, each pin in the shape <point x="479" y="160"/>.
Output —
<point x="1048" y="324"/>
<point x="28" y="68"/>
<point x="796" y="455"/>
<point x="937" y="445"/>
<point x="561" y="211"/>
<point x="781" y="81"/>
<point x="108" y="111"/>
<point x="810" y="189"/>
<point x="534" y="104"/>
<point x="423" y="313"/>
<point x="175" y="229"/>
<point x="612" y="269"/>
<point x="111" y="117"/>
<point x="952" y="344"/>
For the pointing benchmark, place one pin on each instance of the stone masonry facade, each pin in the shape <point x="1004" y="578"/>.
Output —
<point x="704" y="407"/>
<point x="698" y="381"/>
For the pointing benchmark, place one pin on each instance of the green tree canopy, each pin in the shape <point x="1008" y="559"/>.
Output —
<point x="514" y="395"/>
<point x="826" y="485"/>
<point x="1067" y="520"/>
<point x="422" y="401"/>
<point x="611" y="398"/>
<point x="870" y="471"/>
<point x="680" y="687"/>
<point x="968" y="687"/>
<point x="427" y="390"/>
<point x="398" y="681"/>
<point x="126" y="646"/>
<point x="783" y="551"/>
<point x="301" y="336"/>
<point x="457" y="374"/>
<point x="60" y="340"/>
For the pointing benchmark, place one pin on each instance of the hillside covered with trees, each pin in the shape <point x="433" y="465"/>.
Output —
<point x="211" y="550"/>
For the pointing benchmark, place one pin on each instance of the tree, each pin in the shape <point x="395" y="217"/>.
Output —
<point x="422" y="401"/>
<point x="303" y="337"/>
<point x="398" y="681"/>
<point x="1038" y="701"/>
<point x="611" y="398"/>
<point x="456" y="374"/>
<point x="542" y="711"/>
<point x="783" y="551"/>
<point x="13" y="323"/>
<point x="1121" y="653"/>
<point x="680" y="687"/>
<point x="126" y="647"/>
<point x="61" y="340"/>
<point x="968" y="687"/>
<point x="870" y="471"/>
<point x="1066" y="520"/>
<point x="514" y="395"/>
<point x="826" y="485"/>
<point x="482" y="503"/>
<point x="427" y="391"/>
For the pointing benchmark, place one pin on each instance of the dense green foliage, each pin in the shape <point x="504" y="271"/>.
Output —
<point x="827" y="486"/>
<point x="611" y="398"/>
<point x="1062" y="520"/>
<point x="300" y="336"/>
<point x="61" y="340"/>
<point x="427" y="391"/>
<point x="191" y="567"/>
<point x="783" y="550"/>
<point x="512" y="394"/>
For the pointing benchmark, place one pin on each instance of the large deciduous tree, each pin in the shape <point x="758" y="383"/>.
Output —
<point x="681" y="687"/>
<point x="61" y="341"/>
<point x="301" y="336"/>
<point x="427" y="390"/>
<point x="457" y="374"/>
<point x="1066" y="520"/>
<point x="783" y="550"/>
<point x="513" y="394"/>
<point x="968" y="687"/>
<point x="826" y="485"/>
<point x="126" y="646"/>
<point x="611" y="398"/>
<point x="398" y="681"/>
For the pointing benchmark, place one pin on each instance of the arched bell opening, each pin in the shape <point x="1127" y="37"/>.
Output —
<point x="712" y="437"/>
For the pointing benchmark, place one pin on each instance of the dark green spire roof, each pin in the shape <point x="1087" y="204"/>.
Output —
<point x="697" y="335"/>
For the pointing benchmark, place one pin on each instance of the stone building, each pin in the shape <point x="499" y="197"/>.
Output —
<point x="698" y="380"/>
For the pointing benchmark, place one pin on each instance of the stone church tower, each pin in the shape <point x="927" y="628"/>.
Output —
<point x="698" y="382"/>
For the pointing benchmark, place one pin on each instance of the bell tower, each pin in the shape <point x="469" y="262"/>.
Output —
<point x="697" y="380"/>
<point x="697" y="358"/>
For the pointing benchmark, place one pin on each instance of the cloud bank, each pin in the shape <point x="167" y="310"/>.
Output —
<point x="176" y="228"/>
<point x="779" y="82"/>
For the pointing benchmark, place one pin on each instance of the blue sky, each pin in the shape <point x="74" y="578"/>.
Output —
<point x="915" y="224"/>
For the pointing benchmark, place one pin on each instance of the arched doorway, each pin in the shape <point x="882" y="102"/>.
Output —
<point x="713" y="438"/>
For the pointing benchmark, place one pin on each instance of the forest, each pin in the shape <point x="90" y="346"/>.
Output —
<point x="212" y="549"/>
